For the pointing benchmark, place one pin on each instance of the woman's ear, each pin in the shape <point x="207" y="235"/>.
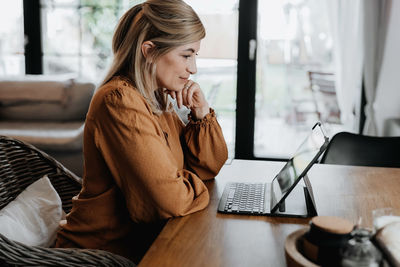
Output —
<point x="147" y="46"/>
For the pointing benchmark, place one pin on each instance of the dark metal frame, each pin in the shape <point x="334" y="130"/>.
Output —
<point x="246" y="81"/>
<point x="33" y="40"/>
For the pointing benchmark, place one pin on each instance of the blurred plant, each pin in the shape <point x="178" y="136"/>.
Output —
<point x="98" y="20"/>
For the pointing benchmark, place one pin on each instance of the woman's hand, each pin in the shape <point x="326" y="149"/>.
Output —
<point x="192" y="97"/>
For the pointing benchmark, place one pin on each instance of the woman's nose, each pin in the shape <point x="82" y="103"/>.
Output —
<point x="192" y="68"/>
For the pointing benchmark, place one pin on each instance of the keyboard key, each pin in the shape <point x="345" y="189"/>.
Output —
<point x="231" y="194"/>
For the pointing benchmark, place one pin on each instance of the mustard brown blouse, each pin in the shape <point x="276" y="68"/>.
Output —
<point x="140" y="169"/>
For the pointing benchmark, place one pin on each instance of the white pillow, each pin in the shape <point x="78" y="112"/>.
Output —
<point x="33" y="217"/>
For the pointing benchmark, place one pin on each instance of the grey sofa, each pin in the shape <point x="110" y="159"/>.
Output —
<point x="47" y="112"/>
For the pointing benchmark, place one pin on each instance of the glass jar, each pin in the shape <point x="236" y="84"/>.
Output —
<point x="360" y="251"/>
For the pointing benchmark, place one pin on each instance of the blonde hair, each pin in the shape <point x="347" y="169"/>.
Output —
<point x="166" y="23"/>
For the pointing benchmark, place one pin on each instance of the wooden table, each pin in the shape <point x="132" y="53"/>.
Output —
<point x="208" y="238"/>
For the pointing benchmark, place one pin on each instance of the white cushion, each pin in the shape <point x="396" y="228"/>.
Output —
<point x="33" y="217"/>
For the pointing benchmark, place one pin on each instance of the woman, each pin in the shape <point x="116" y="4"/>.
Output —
<point x="142" y="164"/>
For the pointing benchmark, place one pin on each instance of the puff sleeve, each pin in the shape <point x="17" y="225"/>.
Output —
<point x="206" y="150"/>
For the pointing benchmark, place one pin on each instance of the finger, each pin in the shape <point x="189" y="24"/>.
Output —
<point x="179" y="98"/>
<point x="191" y="89"/>
<point x="184" y="95"/>
<point x="172" y="94"/>
<point x="197" y="96"/>
<point x="189" y="84"/>
<point x="189" y="96"/>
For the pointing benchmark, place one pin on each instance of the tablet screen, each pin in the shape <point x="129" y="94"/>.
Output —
<point x="297" y="166"/>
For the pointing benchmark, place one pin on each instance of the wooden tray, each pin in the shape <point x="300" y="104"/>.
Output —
<point x="294" y="257"/>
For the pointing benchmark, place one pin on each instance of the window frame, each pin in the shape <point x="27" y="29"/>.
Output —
<point x="33" y="39"/>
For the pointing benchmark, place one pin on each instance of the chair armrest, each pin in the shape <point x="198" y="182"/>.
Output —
<point x="15" y="253"/>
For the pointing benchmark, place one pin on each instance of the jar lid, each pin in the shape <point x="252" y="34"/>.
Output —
<point x="332" y="224"/>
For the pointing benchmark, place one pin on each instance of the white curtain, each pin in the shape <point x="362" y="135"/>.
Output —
<point x="375" y="20"/>
<point x="346" y="21"/>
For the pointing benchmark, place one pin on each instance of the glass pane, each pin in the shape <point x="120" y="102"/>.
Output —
<point x="94" y="68"/>
<point x="53" y="3"/>
<point x="82" y="32"/>
<point x="100" y="2"/>
<point x="97" y="30"/>
<point x="217" y="61"/>
<point x="127" y="4"/>
<point x="61" y="31"/>
<point x="294" y="38"/>
<point x="12" y="64"/>
<point x="12" y="61"/>
<point x="60" y="64"/>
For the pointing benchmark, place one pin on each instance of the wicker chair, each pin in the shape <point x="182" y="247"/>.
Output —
<point x="22" y="164"/>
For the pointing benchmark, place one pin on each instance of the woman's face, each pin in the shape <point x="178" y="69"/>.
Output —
<point x="175" y="67"/>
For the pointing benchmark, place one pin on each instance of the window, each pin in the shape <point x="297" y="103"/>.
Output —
<point x="77" y="34"/>
<point x="12" y="60"/>
<point x="265" y="104"/>
<point x="293" y="40"/>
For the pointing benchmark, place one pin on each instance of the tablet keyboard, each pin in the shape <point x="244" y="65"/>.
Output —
<point x="245" y="198"/>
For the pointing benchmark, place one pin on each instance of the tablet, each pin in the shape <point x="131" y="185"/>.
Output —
<point x="297" y="166"/>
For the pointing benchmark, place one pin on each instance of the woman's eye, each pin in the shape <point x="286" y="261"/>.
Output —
<point x="186" y="56"/>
